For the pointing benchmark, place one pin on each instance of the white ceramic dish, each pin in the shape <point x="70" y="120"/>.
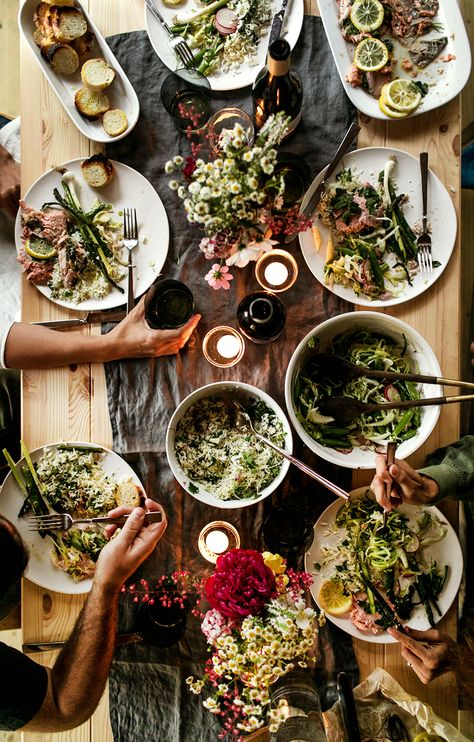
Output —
<point x="447" y="551"/>
<point x="242" y="392"/>
<point x="127" y="188"/>
<point x="232" y="80"/>
<point x="41" y="569"/>
<point x="446" y="79"/>
<point x="366" y="164"/>
<point x="423" y="361"/>
<point x="121" y="93"/>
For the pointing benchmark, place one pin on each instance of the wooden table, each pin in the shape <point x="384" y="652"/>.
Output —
<point x="71" y="403"/>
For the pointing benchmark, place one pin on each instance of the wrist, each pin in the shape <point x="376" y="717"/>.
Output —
<point x="430" y="489"/>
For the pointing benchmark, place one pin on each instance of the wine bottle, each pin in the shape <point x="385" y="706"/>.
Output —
<point x="277" y="88"/>
<point x="261" y="317"/>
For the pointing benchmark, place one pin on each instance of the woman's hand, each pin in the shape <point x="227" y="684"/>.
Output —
<point x="429" y="653"/>
<point x="406" y="484"/>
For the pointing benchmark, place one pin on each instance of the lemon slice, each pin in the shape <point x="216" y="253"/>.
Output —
<point x="390" y="112"/>
<point x="39" y="248"/>
<point x="370" y="55"/>
<point x="402" y="95"/>
<point x="367" y="15"/>
<point x="333" y="599"/>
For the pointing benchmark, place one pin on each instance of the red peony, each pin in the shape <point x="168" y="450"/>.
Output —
<point x="241" y="584"/>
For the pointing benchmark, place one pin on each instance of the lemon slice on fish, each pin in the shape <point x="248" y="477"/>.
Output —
<point x="402" y="95"/>
<point x="39" y="248"/>
<point x="367" y="15"/>
<point x="390" y="112"/>
<point x="333" y="599"/>
<point x="370" y="55"/>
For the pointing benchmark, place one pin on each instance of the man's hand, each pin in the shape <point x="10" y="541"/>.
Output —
<point x="9" y="182"/>
<point x="407" y="484"/>
<point x="132" y="338"/>
<point x="429" y="653"/>
<point x="124" y="554"/>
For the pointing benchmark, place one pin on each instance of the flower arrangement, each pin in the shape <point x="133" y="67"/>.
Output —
<point x="236" y="198"/>
<point x="259" y="628"/>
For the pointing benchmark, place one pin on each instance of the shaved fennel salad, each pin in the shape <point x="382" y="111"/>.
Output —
<point x="369" y="350"/>
<point x="375" y="253"/>
<point x="394" y="558"/>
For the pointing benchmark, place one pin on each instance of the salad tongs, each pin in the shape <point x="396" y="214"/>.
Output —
<point x="345" y="409"/>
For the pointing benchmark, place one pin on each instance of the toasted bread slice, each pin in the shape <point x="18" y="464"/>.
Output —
<point x="62" y="57"/>
<point x="114" y="122"/>
<point x="97" y="74"/>
<point x="66" y="23"/>
<point x="97" y="170"/>
<point x="129" y="494"/>
<point x="91" y="103"/>
<point x="39" y="38"/>
<point x="41" y="18"/>
<point x="83" y="44"/>
<point x="70" y="3"/>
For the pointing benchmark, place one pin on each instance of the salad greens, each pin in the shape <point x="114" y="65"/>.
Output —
<point x="376" y="249"/>
<point x="371" y="350"/>
<point x="391" y="557"/>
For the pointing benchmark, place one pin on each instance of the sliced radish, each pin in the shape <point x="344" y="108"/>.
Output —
<point x="391" y="393"/>
<point x="226" y="21"/>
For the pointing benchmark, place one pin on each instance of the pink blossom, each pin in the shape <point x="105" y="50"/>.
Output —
<point x="219" y="277"/>
<point x="215" y="625"/>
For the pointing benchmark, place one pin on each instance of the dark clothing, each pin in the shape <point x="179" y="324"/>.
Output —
<point x="23" y="688"/>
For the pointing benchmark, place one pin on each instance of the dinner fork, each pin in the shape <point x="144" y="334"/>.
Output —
<point x="177" y="43"/>
<point x="425" y="257"/>
<point x="130" y="240"/>
<point x="64" y="521"/>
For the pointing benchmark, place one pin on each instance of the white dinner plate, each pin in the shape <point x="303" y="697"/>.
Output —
<point x="447" y="551"/>
<point x="126" y="189"/>
<point x="41" y="569"/>
<point x="366" y="164"/>
<point x="234" y="79"/>
<point x="121" y="93"/>
<point x="445" y="79"/>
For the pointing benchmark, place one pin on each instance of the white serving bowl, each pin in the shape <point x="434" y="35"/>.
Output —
<point x="242" y="392"/>
<point x="423" y="361"/>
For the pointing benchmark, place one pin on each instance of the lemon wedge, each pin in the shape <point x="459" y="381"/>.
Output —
<point x="39" y="248"/>
<point x="370" y="55"/>
<point x="367" y="15"/>
<point x="333" y="599"/>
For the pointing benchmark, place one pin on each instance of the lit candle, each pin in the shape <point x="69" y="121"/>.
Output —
<point x="217" y="541"/>
<point x="228" y="346"/>
<point x="276" y="273"/>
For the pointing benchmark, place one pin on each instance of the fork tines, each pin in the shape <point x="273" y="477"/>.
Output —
<point x="45" y="522"/>
<point x="130" y="226"/>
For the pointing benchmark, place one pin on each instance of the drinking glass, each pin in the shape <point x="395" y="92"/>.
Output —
<point x="225" y="120"/>
<point x="186" y="95"/>
<point x="168" y="304"/>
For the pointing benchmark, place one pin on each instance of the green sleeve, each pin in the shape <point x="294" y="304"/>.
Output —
<point x="453" y="469"/>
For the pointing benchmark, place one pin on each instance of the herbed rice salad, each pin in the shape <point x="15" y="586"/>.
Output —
<point x="230" y="464"/>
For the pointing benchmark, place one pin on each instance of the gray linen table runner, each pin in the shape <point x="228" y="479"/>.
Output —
<point x="148" y="696"/>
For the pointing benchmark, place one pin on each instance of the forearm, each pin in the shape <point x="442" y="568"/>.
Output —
<point x="453" y="469"/>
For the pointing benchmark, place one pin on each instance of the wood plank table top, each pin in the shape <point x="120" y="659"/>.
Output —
<point x="70" y="403"/>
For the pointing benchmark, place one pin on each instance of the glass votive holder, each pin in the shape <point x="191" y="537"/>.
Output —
<point x="186" y="95"/>
<point x="221" y="125"/>
<point x="216" y="538"/>
<point x="276" y="270"/>
<point x="223" y="346"/>
<point x="296" y="174"/>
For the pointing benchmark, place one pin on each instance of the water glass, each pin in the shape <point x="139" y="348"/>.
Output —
<point x="186" y="95"/>
<point x="225" y="120"/>
<point x="168" y="304"/>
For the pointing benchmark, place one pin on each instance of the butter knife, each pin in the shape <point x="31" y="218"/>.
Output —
<point x="32" y="647"/>
<point x="91" y="318"/>
<point x="310" y="207"/>
<point x="277" y="23"/>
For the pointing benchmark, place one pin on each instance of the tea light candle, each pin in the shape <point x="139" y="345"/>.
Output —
<point x="217" y="538"/>
<point x="217" y="541"/>
<point x="276" y="270"/>
<point x="223" y="346"/>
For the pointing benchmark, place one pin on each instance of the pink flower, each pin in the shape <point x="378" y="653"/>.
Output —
<point x="241" y="584"/>
<point x="214" y="625"/>
<point x="219" y="277"/>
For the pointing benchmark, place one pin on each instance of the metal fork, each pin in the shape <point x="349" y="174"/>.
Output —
<point x="177" y="43"/>
<point x="425" y="257"/>
<point x="64" y="521"/>
<point x="130" y="240"/>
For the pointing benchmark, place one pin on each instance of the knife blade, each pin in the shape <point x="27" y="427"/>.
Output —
<point x="384" y="605"/>
<point x="91" y="318"/>
<point x="310" y="207"/>
<point x="277" y="23"/>
<point x="33" y="647"/>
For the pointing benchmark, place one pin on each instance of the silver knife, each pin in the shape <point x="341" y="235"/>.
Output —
<point x="90" y="319"/>
<point x="341" y="151"/>
<point x="32" y="647"/>
<point x="277" y="23"/>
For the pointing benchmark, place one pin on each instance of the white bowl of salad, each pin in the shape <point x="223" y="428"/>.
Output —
<point x="214" y="462"/>
<point x="374" y="341"/>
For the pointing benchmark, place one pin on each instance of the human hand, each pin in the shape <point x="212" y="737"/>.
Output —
<point x="121" y="557"/>
<point x="429" y="653"/>
<point x="9" y="182"/>
<point x="132" y="338"/>
<point x="406" y="484"/>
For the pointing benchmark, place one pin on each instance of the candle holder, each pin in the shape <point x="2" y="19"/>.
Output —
<point x="223" y="346"/>
<point x="216" y="538"/>
<point x="225" y="120"/>
<point x="276" y="270"/>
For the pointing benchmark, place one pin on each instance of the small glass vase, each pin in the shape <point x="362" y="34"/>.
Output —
<point x="162" y="625"/>
<point x="303" y="722"/>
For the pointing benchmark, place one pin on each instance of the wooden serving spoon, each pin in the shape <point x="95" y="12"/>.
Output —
<point x="345" y="409"/>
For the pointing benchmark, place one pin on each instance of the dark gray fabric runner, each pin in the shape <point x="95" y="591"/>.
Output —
<point x="150" y="701"/>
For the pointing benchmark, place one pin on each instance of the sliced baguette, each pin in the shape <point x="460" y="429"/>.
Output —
<point x="83" y="44"/>
<point x="129" y="494"/>
<point x="97" y="170"/>
<point x="66" y="23"/>
<point x="41" y="18"/>
<point x="62" y="57"/>
<point x="97" y="74"/>
<point x="114" y="122"/>
<point x="91" y="103"/>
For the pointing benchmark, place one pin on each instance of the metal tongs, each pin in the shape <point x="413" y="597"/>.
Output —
<point x="390" y="458"/>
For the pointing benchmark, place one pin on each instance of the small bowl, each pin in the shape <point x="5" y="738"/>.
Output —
<point x="242" y="392"/>
<point x="423" y="361"/>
